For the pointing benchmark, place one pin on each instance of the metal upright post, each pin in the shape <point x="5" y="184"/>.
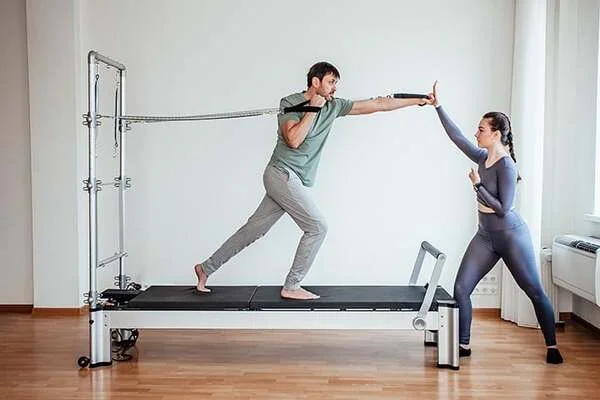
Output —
<point x="448" y="355"/>
<point x="122" y="178"/>
<point x="91" y="183"/>
<point x="100" y="341"/>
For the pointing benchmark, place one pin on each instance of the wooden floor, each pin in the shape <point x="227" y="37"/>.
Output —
<point x="38" y="361"/>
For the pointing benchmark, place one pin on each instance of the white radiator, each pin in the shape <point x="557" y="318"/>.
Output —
<point x="550" y="288"/>
<point x="576" y="266"/>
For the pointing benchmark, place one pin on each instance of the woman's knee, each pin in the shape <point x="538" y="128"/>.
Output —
<point x="535" y="293"/>
<point x="460" y="291"/>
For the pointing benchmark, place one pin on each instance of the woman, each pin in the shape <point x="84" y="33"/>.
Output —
<point x="502" y="232"/>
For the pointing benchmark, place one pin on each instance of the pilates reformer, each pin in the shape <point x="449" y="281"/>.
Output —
<point x="115" y="315"/>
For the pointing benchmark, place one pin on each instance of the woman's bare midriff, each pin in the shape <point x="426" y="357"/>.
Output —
<point x="485" y="209"/>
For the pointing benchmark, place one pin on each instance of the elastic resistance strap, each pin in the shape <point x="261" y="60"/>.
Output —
<point x="302" y="107"/>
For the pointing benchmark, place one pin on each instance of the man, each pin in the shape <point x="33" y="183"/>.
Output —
<point x="292" y="168"/>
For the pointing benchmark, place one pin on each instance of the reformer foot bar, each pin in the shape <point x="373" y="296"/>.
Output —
<point x="113" y="313"/>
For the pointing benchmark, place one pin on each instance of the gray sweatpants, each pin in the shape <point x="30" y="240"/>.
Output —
<point x="284" y="194"/>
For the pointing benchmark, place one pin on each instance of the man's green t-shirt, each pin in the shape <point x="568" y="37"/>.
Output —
<point x="304" y="160"/>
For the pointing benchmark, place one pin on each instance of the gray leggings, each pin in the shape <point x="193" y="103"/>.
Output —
<point x="508" y="238"/>
<point x="284" y="194"/>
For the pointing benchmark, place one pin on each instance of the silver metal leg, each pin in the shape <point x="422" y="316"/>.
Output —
<point x="100" y="341"/>
<point x="431" y="338"/>
<point x="448" y="356"/>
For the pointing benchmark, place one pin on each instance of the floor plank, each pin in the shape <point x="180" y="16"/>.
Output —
<point x="39" y="362"/>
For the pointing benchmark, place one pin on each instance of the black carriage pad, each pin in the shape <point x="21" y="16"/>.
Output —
<point x="400" y="298"/>
<point x="189" y="298"/>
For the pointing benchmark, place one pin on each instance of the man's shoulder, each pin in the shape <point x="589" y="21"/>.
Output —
<point x="340" y="101"/>
<point x="341" y="106"/>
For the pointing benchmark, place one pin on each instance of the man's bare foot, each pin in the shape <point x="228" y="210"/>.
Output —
<point x="202" y="277"/>
<point x="298" y="294"/>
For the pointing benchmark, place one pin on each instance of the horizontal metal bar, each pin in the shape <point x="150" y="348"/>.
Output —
<point x="230" y="115"/>
<point x="106" y="261"/>
<point x="201" y="117"/>
<point x="98" y="116"/>
<point x="189" y="319"/>
<point x="95" y="56"/>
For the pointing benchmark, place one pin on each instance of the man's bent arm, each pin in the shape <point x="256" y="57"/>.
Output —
<point x="294" y="132"/>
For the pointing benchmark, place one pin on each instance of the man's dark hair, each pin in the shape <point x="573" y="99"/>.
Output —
<point x="319" y="70"/>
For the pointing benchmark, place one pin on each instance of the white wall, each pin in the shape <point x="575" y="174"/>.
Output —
<point x="569" y="177"/>
<point x="15" y="169"/>
<point x="195" y="183"/>
<point x="54" y="74"/>
<point x="571" y="131"/>
<point x="386" y="182"/>
<point x="588" y="18"/>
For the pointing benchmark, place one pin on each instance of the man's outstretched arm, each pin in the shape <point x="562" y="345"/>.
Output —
<point x="384" y="104"/>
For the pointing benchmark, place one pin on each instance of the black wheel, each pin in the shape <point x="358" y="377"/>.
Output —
<point x="83" y="362"/>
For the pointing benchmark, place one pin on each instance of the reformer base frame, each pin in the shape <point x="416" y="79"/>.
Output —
<point x="440" y="325"/>
<point x="441" y="321"/>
